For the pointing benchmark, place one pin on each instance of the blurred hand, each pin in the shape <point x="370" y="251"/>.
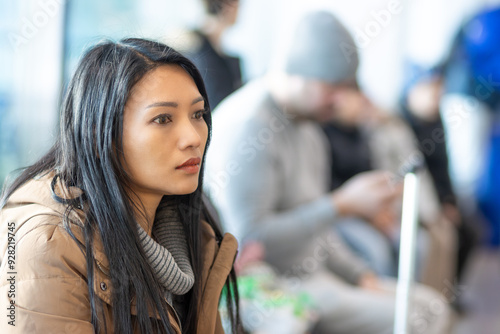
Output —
<point x="251" y="252"/>
<point x="353" y="109"/>
<point x="366" y="194"/>
<point x="350" y="106"/>
<point x="388" y="219"/>
<point x="452" y="213"/>
<point x="369" y="281"/>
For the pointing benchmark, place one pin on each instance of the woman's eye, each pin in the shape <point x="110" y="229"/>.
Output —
<point x="162" y="119"/>
<point x="199" y="114"/>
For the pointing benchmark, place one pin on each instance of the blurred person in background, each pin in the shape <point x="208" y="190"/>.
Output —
<point x="269" y="168"/>
<point x="221" y="72"/>
<point x="470" y="112"/>
<point x="420" y="107"/>
<point x="108" y="230"/>
<point x="363" y="138"/>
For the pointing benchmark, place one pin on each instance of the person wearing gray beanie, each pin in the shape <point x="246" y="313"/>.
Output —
<point x="317" y="68"/>
<point x="322" y="49"/>
<point x="268" y="175"/>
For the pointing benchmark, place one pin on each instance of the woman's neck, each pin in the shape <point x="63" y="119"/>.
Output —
<point x="145" y="210"/>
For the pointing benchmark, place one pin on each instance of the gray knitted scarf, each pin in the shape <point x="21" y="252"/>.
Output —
<point x="168" y="255"/>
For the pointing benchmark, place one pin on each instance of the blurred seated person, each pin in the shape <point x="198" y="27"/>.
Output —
<point x="269" y="167"/>
<point x="364" y="138"/>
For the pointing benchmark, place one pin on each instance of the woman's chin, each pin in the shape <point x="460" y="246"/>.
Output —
<point x="185" y="190"/>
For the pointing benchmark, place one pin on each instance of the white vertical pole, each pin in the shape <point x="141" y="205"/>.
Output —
<point x="406" y="254"/>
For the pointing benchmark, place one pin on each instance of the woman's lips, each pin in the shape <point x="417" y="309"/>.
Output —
<point x="190" y="166"/>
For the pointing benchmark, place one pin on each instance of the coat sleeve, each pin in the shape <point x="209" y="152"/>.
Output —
<point x="46" y="289"/>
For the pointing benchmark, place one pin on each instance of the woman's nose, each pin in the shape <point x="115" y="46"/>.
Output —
<point x="189" y="136"/>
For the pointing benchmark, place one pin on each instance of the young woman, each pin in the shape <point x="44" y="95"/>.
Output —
<point x="107" y="233"/>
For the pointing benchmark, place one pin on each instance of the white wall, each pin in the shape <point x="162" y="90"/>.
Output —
<point x="36" y="44"/>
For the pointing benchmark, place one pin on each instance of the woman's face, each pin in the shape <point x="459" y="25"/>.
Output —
<point x="164" y="134"/>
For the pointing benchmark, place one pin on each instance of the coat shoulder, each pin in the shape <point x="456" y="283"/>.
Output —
<point x="44" y="248"/>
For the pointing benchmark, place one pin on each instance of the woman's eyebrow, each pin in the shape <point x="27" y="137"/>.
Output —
<point x="198" y="99"/>
<point x="163" y="104"/>
<point x="173" y="104"/>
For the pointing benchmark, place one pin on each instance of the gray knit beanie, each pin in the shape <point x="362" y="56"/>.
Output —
<point x="322" y="49"/>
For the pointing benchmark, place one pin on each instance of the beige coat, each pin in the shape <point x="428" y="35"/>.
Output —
<point x="43" y="271"/>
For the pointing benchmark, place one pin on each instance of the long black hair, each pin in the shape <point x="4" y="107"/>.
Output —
<point x="88" y="155"/>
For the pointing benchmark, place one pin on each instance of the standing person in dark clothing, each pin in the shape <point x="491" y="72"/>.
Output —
<point x="221" y="72"/>
<point x="420" y="107"/>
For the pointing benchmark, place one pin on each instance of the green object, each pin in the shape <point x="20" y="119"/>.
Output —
<point x="261" y="289"/>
